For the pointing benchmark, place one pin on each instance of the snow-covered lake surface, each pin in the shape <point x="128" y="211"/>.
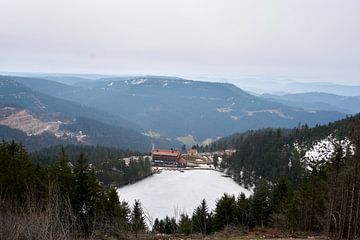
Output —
<point x="172" y="192"/>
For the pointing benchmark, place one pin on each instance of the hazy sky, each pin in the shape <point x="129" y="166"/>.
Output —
<point x="311" y="40"/>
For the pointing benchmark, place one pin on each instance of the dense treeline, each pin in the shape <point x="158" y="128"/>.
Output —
<point x="325" y="200"/>
<point x="64" y="200"/>
<point x="341" y="128"/>
<point x="107" y="162"/>
<point x="274" y="153"/>
<point x="59" y="201"/>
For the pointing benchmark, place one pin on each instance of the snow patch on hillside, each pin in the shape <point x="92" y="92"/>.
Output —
<point x="224" y="109"/>
<point x="322" y="151"/>
<point x="138" y="81"/>
<point x="235" y="117"/>
<point x="272" y="111"/>
<point x="301" y="110"/>
<point x="152" y="134"/>
<point x="80" y="137"/>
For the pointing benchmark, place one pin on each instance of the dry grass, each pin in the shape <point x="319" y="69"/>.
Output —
<point x="52" y="219"/>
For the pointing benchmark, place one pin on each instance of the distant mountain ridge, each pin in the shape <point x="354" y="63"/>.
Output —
<point x="39" y="120"/>
<point x="173" y="107"/>
<point x="30" y="92"/>
<point x="275" y="85"/>
<point x="319" y="101"/>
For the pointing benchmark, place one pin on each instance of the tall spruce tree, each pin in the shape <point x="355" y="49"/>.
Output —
<point x="225" y="211"/>
<point x="63" y="176"/>
<point x="137" y="219"/>
<point x="260" y="209"/>
<point x="243" y="210"/>
<point x="17" y="175"/>
<point x="86" y="194"/>
<point x="185" y="224"/>
<point x="201" y="219"/>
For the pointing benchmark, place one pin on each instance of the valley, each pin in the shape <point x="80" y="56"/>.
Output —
<point x="221" y="157"/>
<point x="179" y="120"/>
<point x="176" y="109"/>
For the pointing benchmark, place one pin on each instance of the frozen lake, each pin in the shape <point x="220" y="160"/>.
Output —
<point x="172" y="192"/>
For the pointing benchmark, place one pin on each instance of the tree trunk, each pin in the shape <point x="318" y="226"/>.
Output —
<point x="332" y="193"/>
<point x="344" y="207"/>
<point x="356" y="223"/>
<point x="351" y="208"/>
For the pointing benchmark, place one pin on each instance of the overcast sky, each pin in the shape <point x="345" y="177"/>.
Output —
<point x="310" y="40"/>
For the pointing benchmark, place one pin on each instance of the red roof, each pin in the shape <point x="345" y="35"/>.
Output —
<point x="174" y="153"/>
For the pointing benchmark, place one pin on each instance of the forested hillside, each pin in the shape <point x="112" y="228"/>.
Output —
<point x="321" y="196"/>
<point x="39" y="120"/>
<point x="173" y="107"/>
<point x="60" y="200"/>
<point x="275" y="153"/>
<point x="26" y="92"/>
<point x="107" y="162"/>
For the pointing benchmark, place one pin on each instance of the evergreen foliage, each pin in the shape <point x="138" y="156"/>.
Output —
<point x="185" y="224"/>
<point x="225" y="212"/>
<point x="81" y="202"/>
<point x="272" y="154"/>
<point x="326" y="199"/>
<point x="202" y="219"/>
<point x="137" y="219"/>
<point x="109" y="167"/>
<point x="17" y="174"/>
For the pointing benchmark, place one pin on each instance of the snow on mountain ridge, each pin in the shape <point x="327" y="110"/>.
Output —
<point x="139" y="81"/>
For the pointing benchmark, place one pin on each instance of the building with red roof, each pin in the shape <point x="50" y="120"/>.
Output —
<point x="170" y="157"/>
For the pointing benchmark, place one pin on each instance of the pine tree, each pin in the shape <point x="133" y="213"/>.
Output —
<point x="156" y="225"/>
<point x="200" y="218"/>
<point x="86" y="194"/>
<point x="112" y="208"/>
<point x="137" y="218"/>
<point x="16" y="172"/>
<point x="225" y="211"/>
<point x="260" y="209"/>
<point x="124" y="214"/>
<point x="63" y="176"/>
<point x="183" y="148"/>
<point x="170" y="226"/>
<point x="279" y="195"/>
<point x="185" y="224"/>
<point x="243" y="210"/>
<point x="216" y="161"/>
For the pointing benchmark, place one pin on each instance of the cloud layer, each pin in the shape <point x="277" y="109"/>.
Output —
<point x="309" y="39"/>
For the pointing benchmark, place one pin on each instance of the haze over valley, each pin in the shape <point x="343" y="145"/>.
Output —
<point x="164" y="110"/>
